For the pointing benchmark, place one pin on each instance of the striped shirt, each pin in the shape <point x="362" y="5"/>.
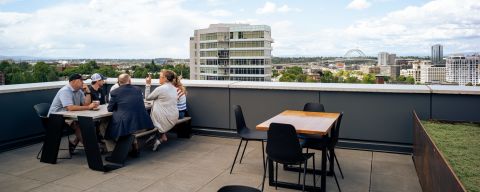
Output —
<point x="181" y="100"/>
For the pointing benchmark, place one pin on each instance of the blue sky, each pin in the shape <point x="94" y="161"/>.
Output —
<point x="150" y="28"/>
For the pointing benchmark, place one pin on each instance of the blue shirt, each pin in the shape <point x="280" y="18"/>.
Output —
<point x="66" y="96"/>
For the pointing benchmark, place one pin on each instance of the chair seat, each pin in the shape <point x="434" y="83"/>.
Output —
<point x="237" y="188"/>
<point x="253" y="135"/>
<point x="316" y="143"/>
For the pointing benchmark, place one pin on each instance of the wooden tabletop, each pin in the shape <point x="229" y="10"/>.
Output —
<point x="100" y="113"/>
<point x="305" y="122"/>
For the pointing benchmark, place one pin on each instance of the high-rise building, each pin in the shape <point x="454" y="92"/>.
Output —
<point x="382" y="58"/>
<point x="463" y="69"/>
<point x="239" y="52"/>
<point x="437" y="54"/>
<point x="385" y="58"/>
<point x="432" y="75"/>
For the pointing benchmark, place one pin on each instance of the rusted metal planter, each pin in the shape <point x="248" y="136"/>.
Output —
<point x="434" y="172"/>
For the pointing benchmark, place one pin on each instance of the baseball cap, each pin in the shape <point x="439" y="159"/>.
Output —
<point x="97" y="77"/>
<point x="75" y="77"/>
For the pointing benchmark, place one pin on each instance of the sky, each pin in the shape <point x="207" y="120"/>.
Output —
<point x="161" y="28"/>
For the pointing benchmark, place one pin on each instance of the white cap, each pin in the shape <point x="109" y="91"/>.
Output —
<point x="97" y="77"/>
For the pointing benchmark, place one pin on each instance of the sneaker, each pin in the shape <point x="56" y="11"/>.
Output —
<point x="156" y="144"/>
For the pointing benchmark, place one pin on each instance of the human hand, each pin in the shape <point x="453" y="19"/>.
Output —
<point x="148" y="80"/>
<point x="92" y="105"/>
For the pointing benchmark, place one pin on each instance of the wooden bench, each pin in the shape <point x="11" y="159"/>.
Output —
<point x="182" y="128"/>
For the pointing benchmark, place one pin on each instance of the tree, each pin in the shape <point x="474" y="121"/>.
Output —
<point x="43" y="72"/>
<point x="368" y="79"/>
<point x="469" y="84"/>
<point x="327" y="77"/>
<point x="351" y="79"/>
<point x="401" y="78"/>
<point x="410" y="80"/>
<point x="275" y="73"/>
<point x="107" y="71"/>
<point x="287" y="77"/>
<point x="140" y="72"/>
<point x="182" y="70"/>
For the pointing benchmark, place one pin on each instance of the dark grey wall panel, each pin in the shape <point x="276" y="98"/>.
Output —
<point x="18" y="118"/>
<point x="385" y="117"/>
<point x="456" y="107"/>
<point x="258" y="105"/>
<point x="208" y="107"/>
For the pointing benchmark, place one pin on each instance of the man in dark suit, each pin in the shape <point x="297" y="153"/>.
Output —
<point x="129" y="113"/>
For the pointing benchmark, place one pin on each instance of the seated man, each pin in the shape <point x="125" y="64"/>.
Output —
<point x="129" y="113"/>
<point x="72" y="98"/>
<point x="96" y="89"/>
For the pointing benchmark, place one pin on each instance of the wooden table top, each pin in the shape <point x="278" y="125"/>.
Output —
<point x="305" y="122"/>
<point x="102" y="112"/>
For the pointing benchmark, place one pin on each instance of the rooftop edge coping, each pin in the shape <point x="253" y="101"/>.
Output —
<point x="341" y="87"/>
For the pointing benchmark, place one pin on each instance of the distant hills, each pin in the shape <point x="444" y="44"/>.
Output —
<point x="19" y="58"/>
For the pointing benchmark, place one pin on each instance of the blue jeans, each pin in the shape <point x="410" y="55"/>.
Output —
<point x="181" y="114"/>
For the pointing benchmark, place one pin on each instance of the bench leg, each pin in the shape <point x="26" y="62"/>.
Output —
<point x="184" y="130"/>
<point x="123" y="146"/>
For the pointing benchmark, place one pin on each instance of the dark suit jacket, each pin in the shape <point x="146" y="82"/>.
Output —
<point x="129" y="113"/>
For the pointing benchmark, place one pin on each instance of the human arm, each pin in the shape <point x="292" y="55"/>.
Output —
<point x="112" y="103"/>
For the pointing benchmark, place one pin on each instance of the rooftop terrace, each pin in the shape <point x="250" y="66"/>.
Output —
<point x="378" y="119"/>
<point x="201" y="163"/>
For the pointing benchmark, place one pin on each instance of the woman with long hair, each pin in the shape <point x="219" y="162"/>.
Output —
<point x="164" y="112"/>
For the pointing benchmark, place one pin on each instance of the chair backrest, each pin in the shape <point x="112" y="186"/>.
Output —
<point x="42" y="109"/>
<point x="336" y="131"/>
<point x="314" y="107"/>
<point x="42" y="112"/>
<point x="282" y="143"/>
<point x="239" y="120"/>
<point x="237" y="188"/>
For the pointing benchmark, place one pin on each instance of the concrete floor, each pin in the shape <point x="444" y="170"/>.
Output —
<point x="197" y="164"/>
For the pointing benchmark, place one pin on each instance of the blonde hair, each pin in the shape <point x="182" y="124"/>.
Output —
<point x="178" y="84"/>
<point x="169" y="75"/>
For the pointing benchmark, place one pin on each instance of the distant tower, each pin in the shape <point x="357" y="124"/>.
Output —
<point x="437" y="54"/>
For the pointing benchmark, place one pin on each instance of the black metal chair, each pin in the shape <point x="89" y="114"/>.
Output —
<point x="237" y="188"/>
<point x="314" y="107"/>
<point x="330" y="142"/>
<point x="283" y="147"/>
<point x="42" y="111"/>
<point x="246" y="135"/>
<point x="317" y="107"/>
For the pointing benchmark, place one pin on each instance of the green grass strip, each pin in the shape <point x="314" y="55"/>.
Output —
<point x="460" y="144"/>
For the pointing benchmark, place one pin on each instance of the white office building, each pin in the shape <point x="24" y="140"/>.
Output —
<point x="239" y="52"/>
<point x="437" y="54"/>
<point x="385" y="58"/>
<point x="463" y="69"/>
<point x="432" y="75"/>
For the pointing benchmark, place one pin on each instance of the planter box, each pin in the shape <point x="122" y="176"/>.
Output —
<point x="434" y="172"/>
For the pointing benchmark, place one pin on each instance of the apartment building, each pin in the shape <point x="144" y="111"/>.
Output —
<point x="238" y="52"/>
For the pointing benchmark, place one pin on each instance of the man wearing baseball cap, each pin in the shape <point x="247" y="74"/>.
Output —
<point x="95" y="89"/>
<point x="71" y="98"/>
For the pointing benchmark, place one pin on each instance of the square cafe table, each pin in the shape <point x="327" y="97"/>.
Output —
<point x="309" y="123"/>
<point x="53" y="136"/>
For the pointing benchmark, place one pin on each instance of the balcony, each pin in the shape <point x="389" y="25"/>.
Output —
<point x="375" y="140"/>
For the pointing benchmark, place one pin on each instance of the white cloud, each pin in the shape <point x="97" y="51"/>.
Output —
<point x="358" y="4"/>
<point x="270" y="7"/>
<point x="449" y="22"/>
<point x="220" y="13"/>
<point x="107" y="28"/>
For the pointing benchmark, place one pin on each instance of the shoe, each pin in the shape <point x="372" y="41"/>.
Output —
<point x="71" y="147"/>
<point x="156" y="144"/>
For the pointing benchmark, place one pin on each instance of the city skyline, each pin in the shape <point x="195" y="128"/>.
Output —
<point x="153" y="29"/>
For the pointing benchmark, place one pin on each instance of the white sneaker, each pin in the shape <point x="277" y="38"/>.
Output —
<point x="156" y="144"/>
